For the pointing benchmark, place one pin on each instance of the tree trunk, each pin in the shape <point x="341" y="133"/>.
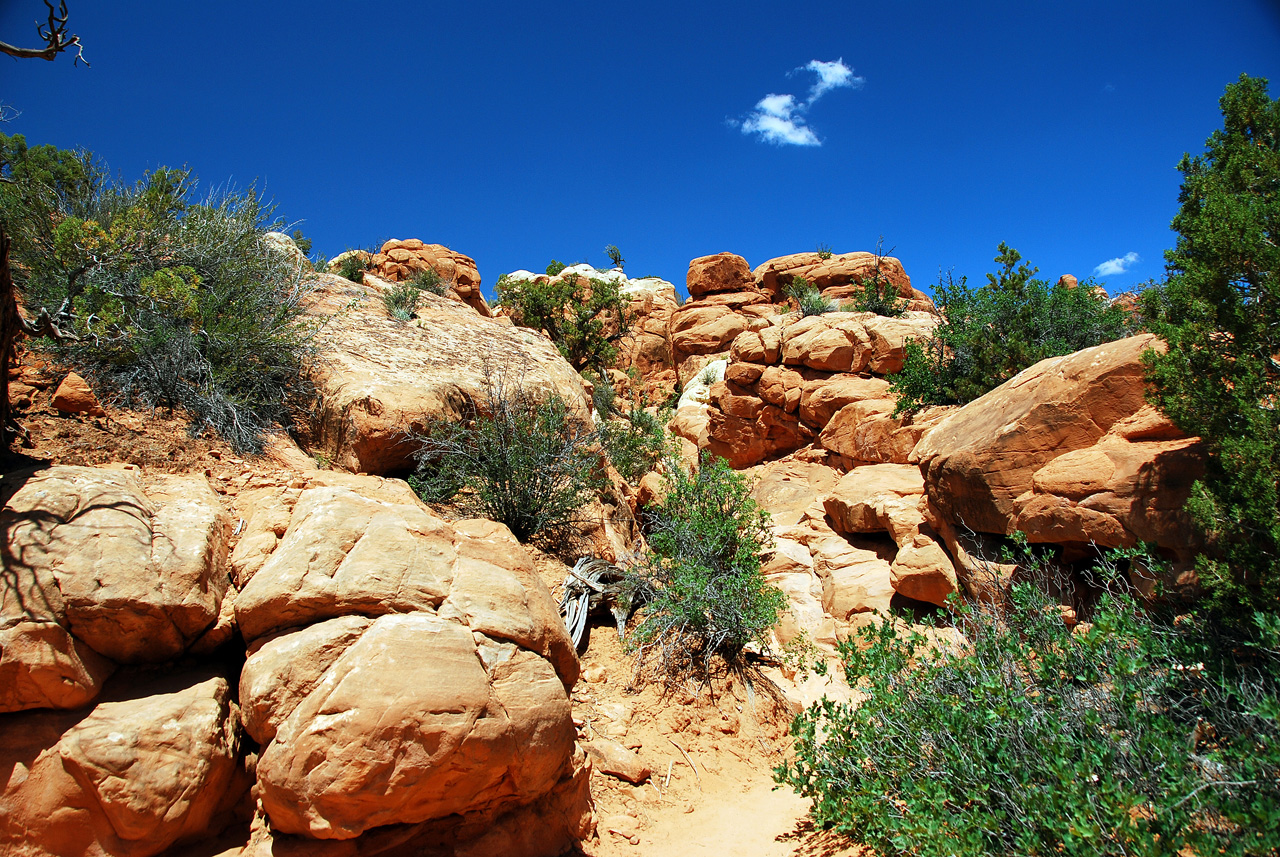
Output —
<point x="10" y="326"/>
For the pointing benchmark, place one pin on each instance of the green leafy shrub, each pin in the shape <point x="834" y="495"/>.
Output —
<point x="634" y="444"/>
<point x="401" y="300"/>
<point x="584" y="317"/>
<point x="707" y="597"/>
<point x="824" y="251"/>
<point x="353" y="266"/>
<point x="165" y="301"/>
<point x="1219" y="312"/>
<point x="878" y="295"/>
<point x="555" y="268"/>
<point x="1126" y="737"/>
<point x="988" y="335"/>
<point x="807" y="297"/>
<point x="516" y="457"/>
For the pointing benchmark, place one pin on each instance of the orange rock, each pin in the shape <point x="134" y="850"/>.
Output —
<point x="74" y="396"/>
<point x="722" y="272"/>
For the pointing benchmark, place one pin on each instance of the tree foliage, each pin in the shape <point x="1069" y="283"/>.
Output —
<point x="161" y="299"/>
<point x="988" y="335"/>
<point x="584" y="316"/>
<point x="1219" y="312"/>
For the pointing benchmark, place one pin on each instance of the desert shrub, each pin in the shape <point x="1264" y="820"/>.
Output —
<point x="353" y="266"/>
<point x="583" y="316"/>
<point x="878" y="295"/>
<point x="162" y="300"/>
<point x="515" y="457"/>
<point x="555" y="268"/>
<point x="988" y="335"/>
<point x="634" y="444"/>
<point x="824" y="251"/>
<point x="401" y="300"/>
<point x="807" y="297"/>
<point x="1128" y="736"/>
<point x="1219" y="312"/>
<point x="615" y="256"/>
<point x="707" y="597"/>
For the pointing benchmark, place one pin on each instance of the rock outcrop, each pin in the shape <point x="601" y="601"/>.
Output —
<point x="398" y="260"/>
<point x="103" y="567"/>
<point x="1068" y="452"/>
<point x="377" y="378"/>
<point x="402" y="670"/>
<point x="839" y="276"/>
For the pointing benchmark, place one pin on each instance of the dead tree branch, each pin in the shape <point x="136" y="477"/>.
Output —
<point x="54" y="35"/>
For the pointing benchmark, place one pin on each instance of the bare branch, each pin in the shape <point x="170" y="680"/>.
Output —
<point x="55" y="38"/>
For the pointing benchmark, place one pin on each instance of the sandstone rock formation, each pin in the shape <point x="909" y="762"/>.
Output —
<point x="378" y="378"/>
<point x="129" y="778"/>
<point x="402" y="670"/>
<point x="74" y="396"/>
<point x="838" y="276"/>
<point x="398" y="260"/>
<point x="1068" y="452"/>
<point x="103" y="567"/>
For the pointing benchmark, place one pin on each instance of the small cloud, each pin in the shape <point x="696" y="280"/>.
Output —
<point x="1110" y="87"/>
<point x="780" y="119"/>
<point x="1118" y="265"/>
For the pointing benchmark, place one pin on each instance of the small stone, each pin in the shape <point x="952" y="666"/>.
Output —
<point x="74" y="396"/>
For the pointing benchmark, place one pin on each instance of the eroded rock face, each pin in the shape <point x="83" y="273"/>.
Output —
<point x="1068" y="452"/>
<point x="402" y="670"/>
<point x="398" y="260"/>
<point x="131" y="777"/>
<point x="839" y="276"/>
<point x="378" y="377"/>
<point x="103" y="567"/>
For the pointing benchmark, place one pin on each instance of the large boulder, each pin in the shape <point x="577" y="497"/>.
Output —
<point x="103" y="566"/>
<point x="402" y="670"/>
<point x="718" y="274"/>
<point x="1067" y="451"/>
<point x="378" y="378"/>
<point x="137" y="774"/>
<point x="398" y="260"/>
<point x="838" y="276"/>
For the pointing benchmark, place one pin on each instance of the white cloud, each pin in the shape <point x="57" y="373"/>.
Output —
<point x="780" y="119"/>
<point x="1118" y="265"/>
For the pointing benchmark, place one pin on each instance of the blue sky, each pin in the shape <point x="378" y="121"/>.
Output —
<point x="521" y="132"/>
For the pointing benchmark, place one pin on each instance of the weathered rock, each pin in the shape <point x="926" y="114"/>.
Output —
<point x="617" y="761"/>
<point x="855" y="575"/>
<point x="402" y="670"/>
<point x="75" y="396"/>
<point x="132" y="568"/>
<point x="380" y="378"/>
<point x="722" y="272"/>
<point x="398" y="260"/>
<point x="410" y="725"/>
<point x="838" y="276"/>
<point x="1067" y="451"/>
<point x="130" y="778"/>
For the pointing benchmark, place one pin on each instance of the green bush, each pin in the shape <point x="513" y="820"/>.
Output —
<point x="878" y="295"/>
<point x="634" y="444"/>
<point x="1126" y="737"/>
<point x="807" y="297"/>
<point x="707" y="597"/>
<point x="988" y="335"/>
<point x="615" y="256"/>
<point x="352" y="267"/>
<point x="583" y="316"/>
<point x="515" y="457"/>
<point x="401" y="300"/>
<point x="824" y="251"/>
<point x="161" y="300"/>
<point x="555" y="268"/>
<point x="1219" y="312"/>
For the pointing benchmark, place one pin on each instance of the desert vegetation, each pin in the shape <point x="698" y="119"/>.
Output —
<point x="584" y="316"/>
<point x="163" y="298"/>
